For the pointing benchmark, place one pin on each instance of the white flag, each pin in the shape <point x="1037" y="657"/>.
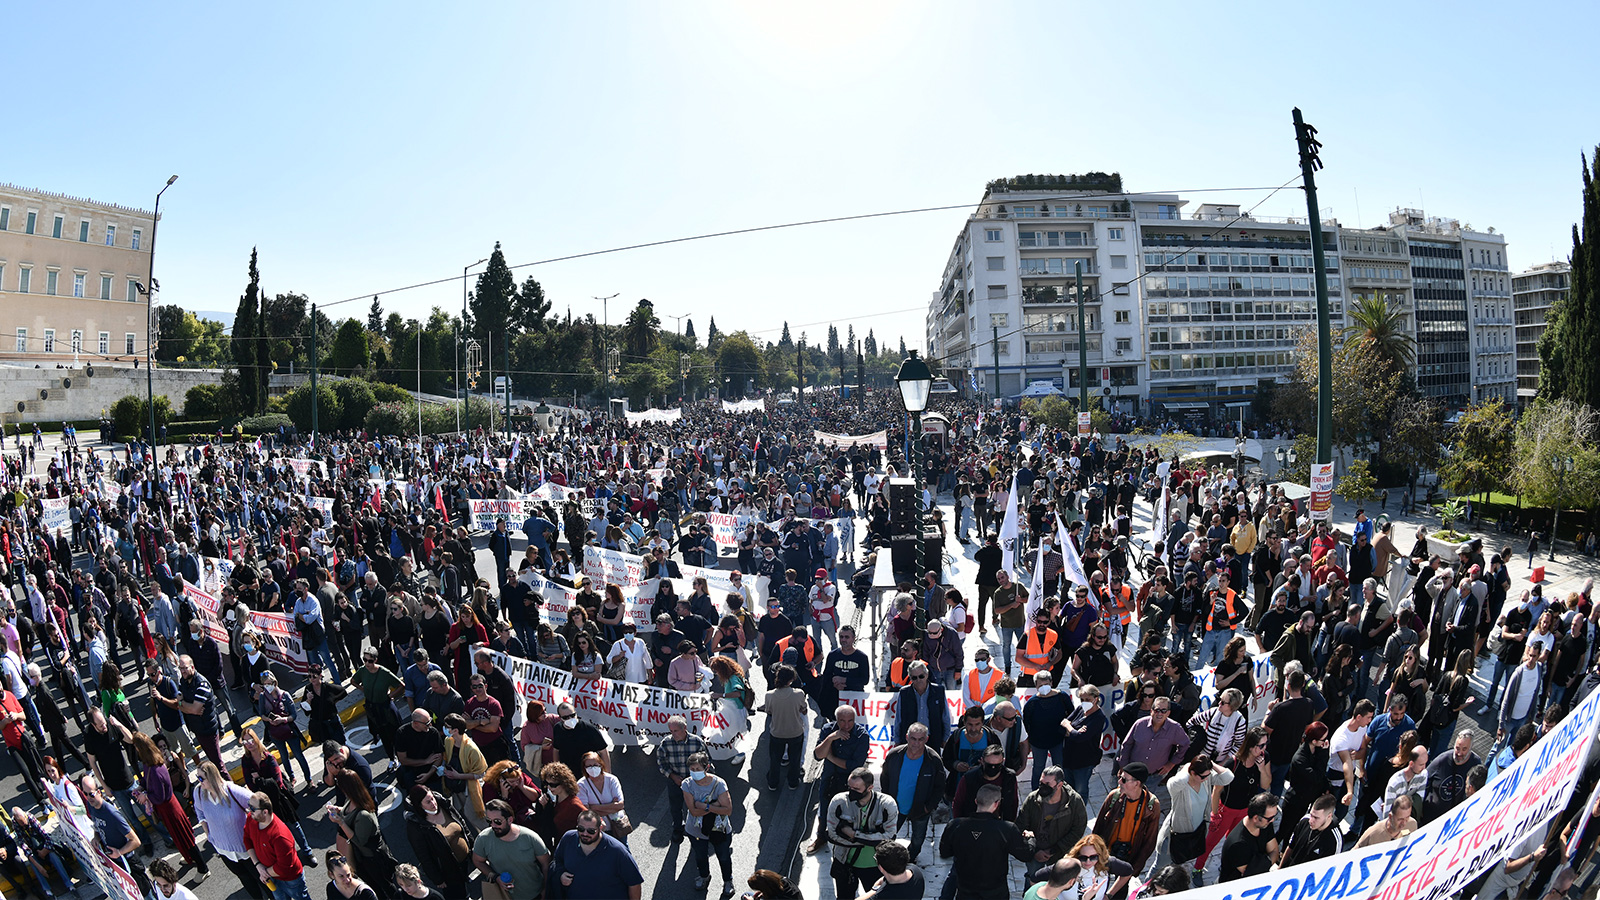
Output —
<point x="1010" y="529"/>
<point x="1158" y="519"/>
<point x="1072" y="564"/>
<point x="1036" y="587"/>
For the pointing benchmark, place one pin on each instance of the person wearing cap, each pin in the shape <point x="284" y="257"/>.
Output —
<point x="942" y="652"/>
<point x="824" y="598"/>
<point x="1130" y="818"/>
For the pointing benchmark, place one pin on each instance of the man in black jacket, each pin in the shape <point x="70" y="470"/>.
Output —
<point x="980" y="844"/>
<point x="917" y="801"/>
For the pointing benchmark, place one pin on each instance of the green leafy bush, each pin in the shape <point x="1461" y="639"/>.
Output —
<point x="267" y="424"/>
<point x="132" y="415"/>
<point x="299" y="407"/>
<point x="206" y="401"/>
<point x="355" y="400"/>
<point x="384" y="392"/>
<point x="392" y="419"/>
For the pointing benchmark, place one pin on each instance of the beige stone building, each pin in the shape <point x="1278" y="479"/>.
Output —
<point x="68" y="269"/>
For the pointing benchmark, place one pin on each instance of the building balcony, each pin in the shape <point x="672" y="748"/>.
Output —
<point x="1244" y="371"/>
<point x="1089" y="268"/>
<point x="1047" y="244"/>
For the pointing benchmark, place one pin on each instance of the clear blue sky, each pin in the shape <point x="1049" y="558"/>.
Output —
<point x="364" y="147"/>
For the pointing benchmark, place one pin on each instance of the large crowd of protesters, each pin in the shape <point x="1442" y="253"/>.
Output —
<point x="370" y="553"/>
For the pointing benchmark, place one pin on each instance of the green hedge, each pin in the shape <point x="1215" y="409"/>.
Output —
<point x="267" y="424"/>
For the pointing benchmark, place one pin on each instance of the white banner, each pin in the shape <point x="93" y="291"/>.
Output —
<point x="726" y="529"/>
<point x="303" y="467"/>
<point x="550" y="492"/>
<point x="613" y="566"/>
<point x="630" y="714"/>
<point x="879" y="439"/>
<point x="1443" y="856"/>
<point x="743" y="406"/>
<point x="485" y="512"/>
<point x="55" y="516"/>
<point x="560" y="599"/>
<point x="324" y="505"/>
<point x="653" y="415"/>
<point x="109" y="877"/>
<point x="281" y="640"/>
<point x="1321" y="505"/>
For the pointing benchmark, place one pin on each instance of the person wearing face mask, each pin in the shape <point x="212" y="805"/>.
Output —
<point x="601" y="792"/>
<point x="1043" y="720"/>
<point x="858" y="819"/>
<point x="1052" y="818"/>
<point x="709" y="824"/>
<point x="990" y="771"/>
<point x="977" y="688"/>
<point x="574" y="738"/>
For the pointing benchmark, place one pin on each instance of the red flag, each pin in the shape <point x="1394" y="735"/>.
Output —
<point x="438" y="500"/>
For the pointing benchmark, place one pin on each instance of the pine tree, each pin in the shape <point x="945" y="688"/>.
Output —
<point x="262" y="346"/>
<point x="375" y="316"/>
<point x="1567" y="365"/>
<point x="902" y="348"/>
<point x="493" y="301"/>
<point x="531" y="307"/>
<point x="711" y="332"/>
<point x="850" y="340"/>
<point x="244" y="328"/>
<point x="833" y="340"/>
<point x="870" y="346"/>
<point x="784" y="340"/>
<point x="688" y="330"/>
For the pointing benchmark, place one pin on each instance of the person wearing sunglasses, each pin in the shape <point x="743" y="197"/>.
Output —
<point x="1129" y="820"/>
<point x="271" y="847"/>
<point x="514" y="860"/>
<point x="922" y="701"/>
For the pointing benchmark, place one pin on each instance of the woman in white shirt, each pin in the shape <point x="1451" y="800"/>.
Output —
<point x="634" y="652"/>
<point x="601" y="792"/>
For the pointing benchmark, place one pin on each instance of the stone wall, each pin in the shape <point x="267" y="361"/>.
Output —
<point x="56" y="395"/>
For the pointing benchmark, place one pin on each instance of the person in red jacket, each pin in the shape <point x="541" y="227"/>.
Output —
<point x="271" y="847"/>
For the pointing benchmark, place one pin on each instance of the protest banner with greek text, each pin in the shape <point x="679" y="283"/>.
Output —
<point x="630" y="714"/>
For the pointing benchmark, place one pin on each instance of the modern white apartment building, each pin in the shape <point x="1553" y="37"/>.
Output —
<point x="1006" y="310"/>
<point x="1494" y="365"/>
<point x="1532" y="294"/>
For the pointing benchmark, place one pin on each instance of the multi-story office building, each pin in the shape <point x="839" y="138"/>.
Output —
<point x="68" y="269"/>
<point x="1532" y="294"/>
<point x="1377" y="266"/>
<point x="1226" y="298"/>
<point x="1007" y="311"/>
<point x="1494" y="367"/>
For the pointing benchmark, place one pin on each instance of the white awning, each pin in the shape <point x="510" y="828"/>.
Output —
<point x="1173" y="404"/>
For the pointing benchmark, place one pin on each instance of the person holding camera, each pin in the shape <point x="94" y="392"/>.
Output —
<point x="858" y="820"/>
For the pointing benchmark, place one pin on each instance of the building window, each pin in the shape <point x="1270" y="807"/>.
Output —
<point x="992" y="235"/>
<point x="105" y="287"/>
<point x="5" y="218"/>
<point x="60" y="222"/>
<point x="22" y="340"/>
<point x="996" y="263"/>
<point x="128" y="342"/>
<point x="1004" y="348"/>
<point x="77" y="341"/>
<point x="83" y="232"/>
<point x="1114" y="234"/>
<point x="137" y="234"/>
<point x="2" y="277"/>
<point x="49" y="340"/>
<point x="33" y="219"/>
<point x="111" y="235"/>
<point x="24" y="280"/>
<point x="999" y="320"/>
<point x="77" y="285"/>
<point x="50" y="278"/>
<point x="1124" y="345"/>
<point x="997" y="292"/>
<point x="1119" y="262"/>
<point x="105" y="343"/>
<point x="1122" y="317"/>
<point x="133" y="291"/>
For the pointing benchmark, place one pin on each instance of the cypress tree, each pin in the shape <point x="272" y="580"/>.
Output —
<point x="242" y="345"/>
<point x="1568" y="368"/>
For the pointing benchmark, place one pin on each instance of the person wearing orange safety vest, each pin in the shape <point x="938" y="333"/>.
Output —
<point x="1116" y="607"/>
<point x="803" y="657"/>
<point x="1222" y="614"/>
<point x="900" y="668"/>
<point x="1037" y="652"/>
<point x="978" y="687"/>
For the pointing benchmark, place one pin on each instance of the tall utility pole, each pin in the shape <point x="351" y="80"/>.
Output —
<point x="861" y="382"/>
<point x="1306" y="137"/>
<point x="461" y="385"/>
<point x="314" y="397"/>
<point x="418" y="323"/>
<point x="800" y="368"/>
<point x="508" y="387"/>
<point x="1083" y="346"/>
<point x="994" y="344"/>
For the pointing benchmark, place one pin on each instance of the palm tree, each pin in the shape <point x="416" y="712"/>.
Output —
<point x="1382" y="323"/>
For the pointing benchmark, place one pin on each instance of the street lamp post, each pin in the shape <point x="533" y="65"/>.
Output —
<point x="915" y="380"/>
<point x="150" y="319"/>
<point x="683" y="378"/>
<point x="1283" y="457"/>
<point x="1238" y="458"/>
<point x="1564" y="464"/>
